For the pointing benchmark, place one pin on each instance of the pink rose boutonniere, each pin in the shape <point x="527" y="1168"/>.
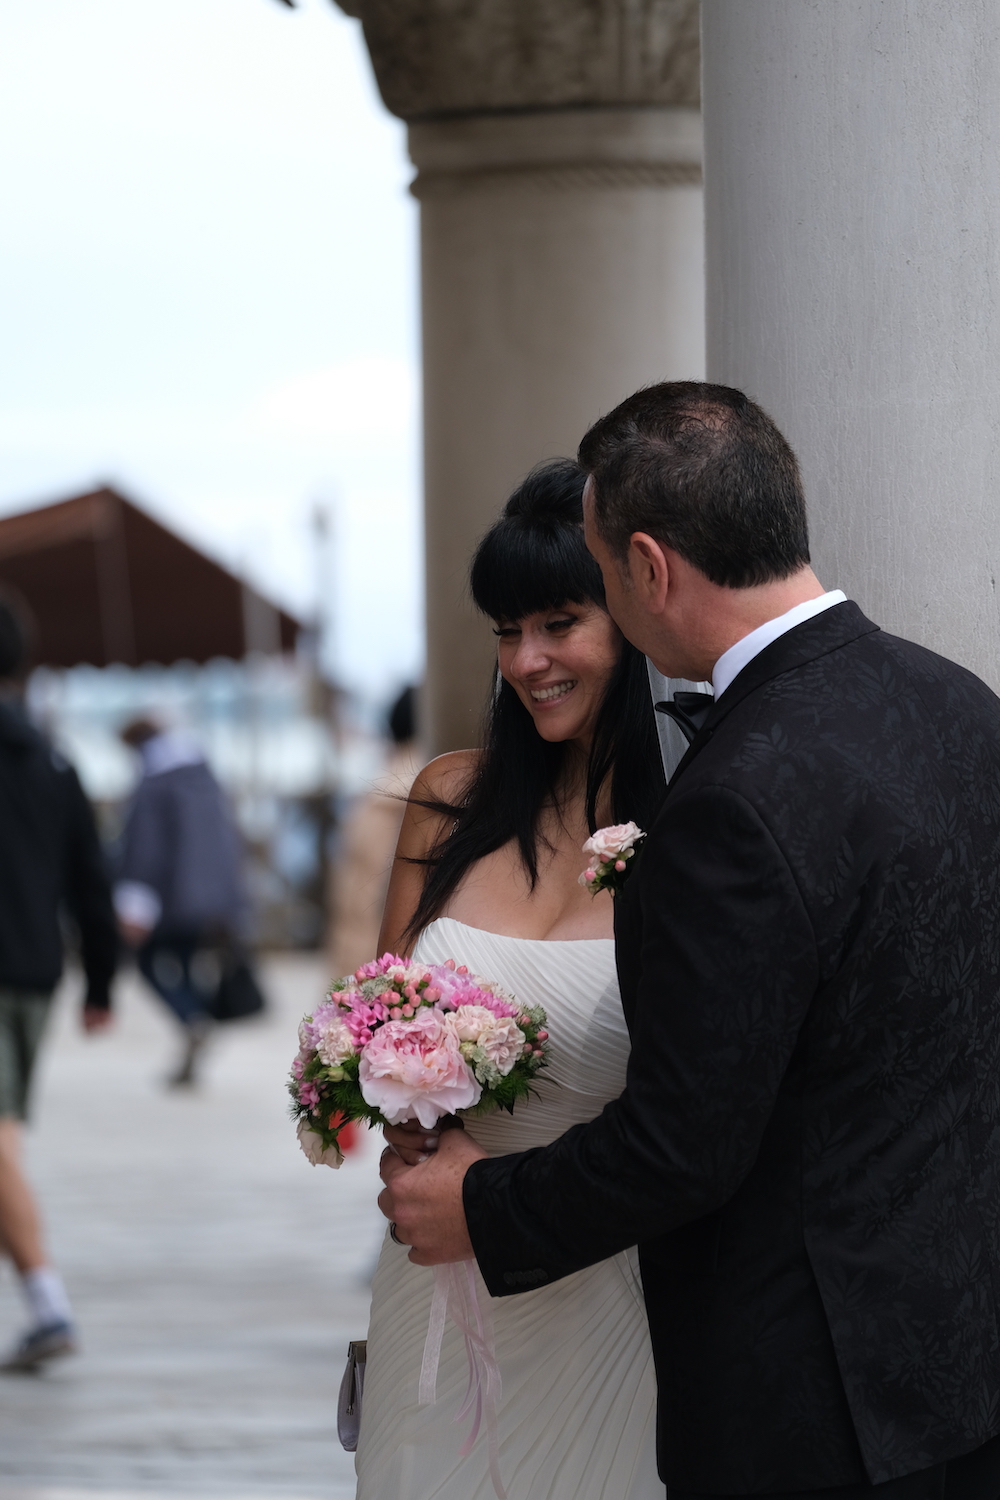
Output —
<point x="610" y="851"/>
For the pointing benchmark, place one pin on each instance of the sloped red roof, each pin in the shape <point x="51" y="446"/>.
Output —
<point x="106" y="583"/>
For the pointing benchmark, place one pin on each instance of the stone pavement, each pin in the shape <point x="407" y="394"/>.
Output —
<point x="216" y="1276"/>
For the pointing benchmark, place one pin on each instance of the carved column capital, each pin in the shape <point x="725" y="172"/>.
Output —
<point x="558" y="153"/>
<point x="438" y="59"/>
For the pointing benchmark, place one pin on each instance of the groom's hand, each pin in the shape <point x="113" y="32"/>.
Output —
<point x="425" y="1202"/>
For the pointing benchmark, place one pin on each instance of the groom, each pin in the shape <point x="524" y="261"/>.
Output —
<point x="807" y="1151"/>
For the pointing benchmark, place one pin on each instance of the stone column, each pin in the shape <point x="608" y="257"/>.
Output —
<point x="558" y="155"/>
<point x="852" y="162"/>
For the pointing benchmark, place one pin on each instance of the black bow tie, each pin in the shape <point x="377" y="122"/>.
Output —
<point x="688" y="711"/>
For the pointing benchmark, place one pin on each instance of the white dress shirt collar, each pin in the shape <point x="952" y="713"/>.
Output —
<point x="732" y="662"/>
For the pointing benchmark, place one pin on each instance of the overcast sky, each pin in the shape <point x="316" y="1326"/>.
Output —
<point x="208" y="293"/>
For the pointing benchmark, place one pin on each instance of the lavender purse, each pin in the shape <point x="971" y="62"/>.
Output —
<point x="351" y="1390"/>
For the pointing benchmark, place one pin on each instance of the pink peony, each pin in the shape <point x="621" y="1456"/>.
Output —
<point x="414" y="1070"/>
<point x="611" y="843"/>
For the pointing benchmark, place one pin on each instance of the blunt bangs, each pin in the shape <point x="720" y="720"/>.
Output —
<point x="535" y="557"/>
<point x="520" y="569"/>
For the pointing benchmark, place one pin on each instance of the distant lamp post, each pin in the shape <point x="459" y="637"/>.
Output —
<point x="324" y="624"/>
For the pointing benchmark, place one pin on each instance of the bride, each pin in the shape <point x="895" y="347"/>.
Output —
<point x="486" y="873"/>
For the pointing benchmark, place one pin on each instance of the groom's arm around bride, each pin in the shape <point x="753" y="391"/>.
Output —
<point x="807" y="1149"/>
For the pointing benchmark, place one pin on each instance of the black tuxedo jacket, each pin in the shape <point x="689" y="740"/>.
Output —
<point x="807" y="1151"/>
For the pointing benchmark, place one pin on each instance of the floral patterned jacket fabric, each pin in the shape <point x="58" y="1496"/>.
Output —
<point x="808" y="1147"/>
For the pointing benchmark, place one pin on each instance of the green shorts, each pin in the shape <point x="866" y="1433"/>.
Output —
<point x="23" y="1014"/>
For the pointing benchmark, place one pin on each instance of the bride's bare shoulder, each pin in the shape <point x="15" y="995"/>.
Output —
<point x="446" y="778"/>
<point x="440" y="786"/>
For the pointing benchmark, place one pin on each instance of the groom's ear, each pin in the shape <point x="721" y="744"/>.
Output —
<point x="648" y="563"/>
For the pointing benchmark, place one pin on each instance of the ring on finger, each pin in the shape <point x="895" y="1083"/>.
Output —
<point x="393" y="1235"/>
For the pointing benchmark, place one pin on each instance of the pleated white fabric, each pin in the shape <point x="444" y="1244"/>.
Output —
<point x="577" y="1414"/>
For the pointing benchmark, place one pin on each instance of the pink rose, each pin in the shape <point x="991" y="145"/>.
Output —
<point x="414" y="1070"/>
<point x="611" y="843"/>
<point x="312" y="1144"/>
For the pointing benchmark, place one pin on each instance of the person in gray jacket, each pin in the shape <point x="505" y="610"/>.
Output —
<point x="179" y="894"/>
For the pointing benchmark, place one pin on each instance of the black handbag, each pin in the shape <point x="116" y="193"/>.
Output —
<point x="238" y="995"/>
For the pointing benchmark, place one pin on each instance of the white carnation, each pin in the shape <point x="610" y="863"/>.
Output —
<point x="334" y="1042"/>
<point x="468" y="1022"/>
<point x="502" y="1044"/>
<point x="487" y="1040"/>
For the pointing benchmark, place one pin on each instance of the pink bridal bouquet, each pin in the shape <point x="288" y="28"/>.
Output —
<point x="399" y="1041"/>
<point x="610" y="850"/>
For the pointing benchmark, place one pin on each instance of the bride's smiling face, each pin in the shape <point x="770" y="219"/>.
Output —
<point x="559" y="662"/>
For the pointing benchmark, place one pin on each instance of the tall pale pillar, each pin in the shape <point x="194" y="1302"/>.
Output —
<point x="558" y="156"/>
<point x="852" y="165"/>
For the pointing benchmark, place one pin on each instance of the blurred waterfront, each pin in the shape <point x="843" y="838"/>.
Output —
<point x="216" y="1276"/>
<point x="266" y="417"/>
<point x="291" y="755"/>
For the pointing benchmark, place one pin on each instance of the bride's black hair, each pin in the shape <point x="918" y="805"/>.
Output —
<point x="535" y="558"/>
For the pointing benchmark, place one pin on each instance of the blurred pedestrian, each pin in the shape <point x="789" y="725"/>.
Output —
<point x="51" y="860"/>
<point x="179" y="894"/>
<point x="368" y="844"/>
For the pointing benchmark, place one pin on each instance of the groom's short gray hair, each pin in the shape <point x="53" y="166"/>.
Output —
<point x="705" y="471"/>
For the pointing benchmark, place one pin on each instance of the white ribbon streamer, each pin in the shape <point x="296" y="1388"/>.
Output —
<point x="435" y="1333"/>
<point x="455" y="1292"/>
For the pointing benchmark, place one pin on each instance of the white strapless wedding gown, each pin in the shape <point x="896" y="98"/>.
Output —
<point x="577" y="1416"/>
